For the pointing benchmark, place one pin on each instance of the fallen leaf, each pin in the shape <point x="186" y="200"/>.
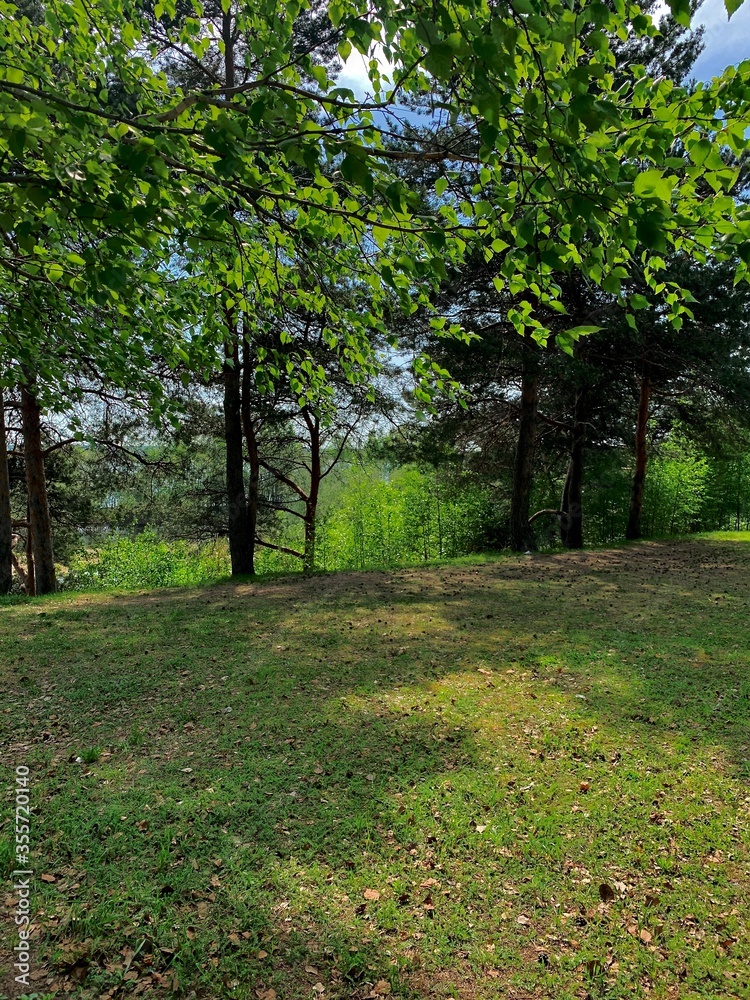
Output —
<point x="584" y="786"/>
<point x="606" y="893"/>
<point x="645" y="936"/>
<point x="371" y="894"/>
<point x="381" y="988"/>
<point x="48" y="878"/>
<point x="262" y="954"/>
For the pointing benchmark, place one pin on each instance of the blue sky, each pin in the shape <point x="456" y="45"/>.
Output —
<point x="727" y="42"/>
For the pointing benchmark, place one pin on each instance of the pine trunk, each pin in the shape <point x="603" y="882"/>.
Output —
<point x="635" y="517"/>
<point x="240" y="544"/>
<point x="253" y="455"/>
<point x="311" y="504"/>
<point x="571" y="522"/>
<point x="6" y="517"/>
<point x="40" y="525"/>
<point x="521" y="532"/>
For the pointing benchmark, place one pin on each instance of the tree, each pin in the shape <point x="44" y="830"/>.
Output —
<point x="476" y="294"/>
<point x="556" y="177"/>
<point x="290" y="181"/>
<point x="6" y="515"/>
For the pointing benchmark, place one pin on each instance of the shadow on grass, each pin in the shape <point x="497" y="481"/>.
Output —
<point x="341" y="774"/>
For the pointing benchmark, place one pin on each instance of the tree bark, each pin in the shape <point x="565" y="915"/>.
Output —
<point x="521" y="532"/>
<point x="40" y="525"/>
<point x="635" y="516"/>
<point x="241" y="541"/>
<point x="253" y="454"/>
<point x="6" y="517"/>
<point x="571" y="522"/>
<point x="311" y="503"/>
<point x="29" y="584"/>
<point x="240" y="545"/>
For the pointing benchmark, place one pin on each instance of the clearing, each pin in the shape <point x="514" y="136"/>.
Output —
<point x="517" y="778"/>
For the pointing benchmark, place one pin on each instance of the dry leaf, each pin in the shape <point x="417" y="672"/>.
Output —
<point x="606" y="893"/>
<point x="382" y="988"/>
<point x="523" y="920"/>
<point x="262" y="954"/>
<point x="371" y="894"/>
<point x="645" y="936"/>
<point x="48" y="878"/>
<point x="480" y="827"/>
<point x="584" y="786"/>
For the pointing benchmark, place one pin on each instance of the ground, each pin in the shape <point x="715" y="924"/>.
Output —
<point x="519" y="778"/>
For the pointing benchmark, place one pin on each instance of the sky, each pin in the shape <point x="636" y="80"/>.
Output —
<point x="727" y="43"/>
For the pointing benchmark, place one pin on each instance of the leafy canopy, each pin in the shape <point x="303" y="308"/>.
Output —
<point x="287" y="184"/>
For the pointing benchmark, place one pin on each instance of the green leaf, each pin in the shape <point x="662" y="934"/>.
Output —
<point x="654" y="184"/>
<point x="681" y="11"/>
<point x="54" y="272"/>
<point x="651" y="233"/>
<point x="732" y="6"/>
<point x="439" y="60"/>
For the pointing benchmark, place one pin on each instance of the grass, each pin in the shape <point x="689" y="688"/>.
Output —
<point x="522" y="779"/>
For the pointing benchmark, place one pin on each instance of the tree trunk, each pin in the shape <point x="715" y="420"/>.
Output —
<point x="253" y="455"/>
<point x="311" y="503"/>
<point x="571" y="522"/>
<point x="521" y="532"/>
<point x="241" y="541"/>
<point x="240" y="545"/>
<point x="39" y="519"/>
<point x="6" y="517"/>
<point x="633" y="529"/>
<point x="29" y="585"/>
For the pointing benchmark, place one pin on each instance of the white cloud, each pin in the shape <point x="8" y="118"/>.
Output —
<point x="727" y="42"/>
<point x="354" y="73"/>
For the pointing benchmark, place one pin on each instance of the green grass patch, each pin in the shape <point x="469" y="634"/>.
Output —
<point x="520" y="778"/>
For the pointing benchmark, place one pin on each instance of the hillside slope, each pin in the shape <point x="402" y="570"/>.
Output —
<point x="525" y="778"/>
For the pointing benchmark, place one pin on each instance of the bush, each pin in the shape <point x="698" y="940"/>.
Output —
<point x="146" y="561"/>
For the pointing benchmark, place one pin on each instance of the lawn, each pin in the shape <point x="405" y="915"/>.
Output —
<point x="524" y="778"/>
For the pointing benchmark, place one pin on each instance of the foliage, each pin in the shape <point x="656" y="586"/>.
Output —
<point x="677" y="490"/>
<point x="116" y="171"/>
<point x="409" y="516"/>
<point x="145" y="562"/>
